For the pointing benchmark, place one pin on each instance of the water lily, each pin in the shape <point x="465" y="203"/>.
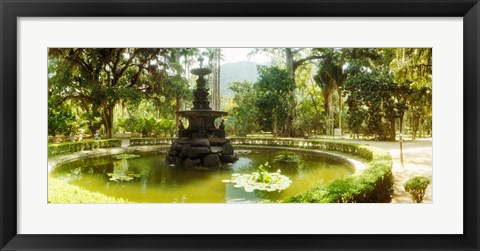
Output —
<point x="260" y="180"/>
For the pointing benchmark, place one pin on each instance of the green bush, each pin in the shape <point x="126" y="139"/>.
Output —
<point x="416" y="187"/>
<point x="150" y="141"/>
<point x="148" y="125"/>
<point x="71" y="147"/>
<point x="374" y="185"/>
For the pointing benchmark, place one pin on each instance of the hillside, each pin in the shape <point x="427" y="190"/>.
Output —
<point x="238" y="71"/>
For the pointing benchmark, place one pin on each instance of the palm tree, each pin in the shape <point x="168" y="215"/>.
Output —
<point x="330" y="77"/>
<point x="326" y="83"/>
<point x="215" y="57"/>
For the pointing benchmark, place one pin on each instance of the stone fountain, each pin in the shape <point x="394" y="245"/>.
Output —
<point x="202" y="145"/>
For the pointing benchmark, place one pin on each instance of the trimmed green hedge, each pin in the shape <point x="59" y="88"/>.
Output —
<point x="375" y="184"/>
<point x="71" y="147"/>
<point x="349" y="148"/>
<point x="150" y="141"/>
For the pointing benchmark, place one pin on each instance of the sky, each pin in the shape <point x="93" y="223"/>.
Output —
<point x="232" y="55"/>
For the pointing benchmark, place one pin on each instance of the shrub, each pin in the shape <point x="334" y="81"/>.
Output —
<point x="375" y="184"/>
<point x="71" y="147"/>
<point x="416" y="187"/>
<point x="150" y="141"/>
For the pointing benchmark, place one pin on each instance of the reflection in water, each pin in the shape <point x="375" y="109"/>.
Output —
<point x="150" y="179"/>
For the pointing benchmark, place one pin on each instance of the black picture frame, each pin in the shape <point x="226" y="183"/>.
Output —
<point x="10" y="10"/>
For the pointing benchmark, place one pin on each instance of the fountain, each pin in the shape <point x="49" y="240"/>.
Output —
<point x="201" y="145"/>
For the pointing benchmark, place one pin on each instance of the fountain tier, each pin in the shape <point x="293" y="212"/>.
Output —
<point x="202" y="145"/>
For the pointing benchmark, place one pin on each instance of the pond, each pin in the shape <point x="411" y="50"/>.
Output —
<point x="149" y="179"/>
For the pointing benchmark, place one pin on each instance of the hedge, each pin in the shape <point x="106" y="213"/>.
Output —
<point x="349" y="148"/>
<point x="301" y="143"/>
<point x="71" y="147"/>
<point x="375" y="184"/>
<point x="150" y="141"/>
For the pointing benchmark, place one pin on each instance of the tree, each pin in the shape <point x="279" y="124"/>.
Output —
<point x="99" y="79"/>
<point x="373" y="94"/>
<point x="293" y="58"/>
<point x="244" y="115"/>
<point x="310" y="117"/>
<point x="61" y="120"/>
<point x="330" y="78"/>
<point x="413" y="67"/>
<point x="275" y="90"/>
<point x="215" y="57"/>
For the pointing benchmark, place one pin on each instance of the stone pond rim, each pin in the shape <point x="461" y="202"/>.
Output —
<point x="202" y="145"/>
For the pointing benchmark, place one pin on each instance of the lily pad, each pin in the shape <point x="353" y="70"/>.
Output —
<point x="287" y="157"/>
<point x="260" y="180"/>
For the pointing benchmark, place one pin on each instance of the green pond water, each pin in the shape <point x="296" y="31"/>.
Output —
<point x="149" y="179"/>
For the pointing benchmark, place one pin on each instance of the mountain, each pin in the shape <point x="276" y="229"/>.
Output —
<point x="238" y="71"/>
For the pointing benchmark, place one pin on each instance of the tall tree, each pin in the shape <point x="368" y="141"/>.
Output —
<point x="244" y="115"/>
<point x="275" y="89"/>
<point x="330" y="77"/>
<point x="293" y="58"/>
<point x="215" y="57"/>
<point x="102" y="78"/>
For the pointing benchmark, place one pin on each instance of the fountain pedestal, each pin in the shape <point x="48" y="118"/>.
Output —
<point x="201" y="145"/>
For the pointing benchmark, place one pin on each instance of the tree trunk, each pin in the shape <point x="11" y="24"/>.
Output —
<point x="330" y="114"/>
<point x="339" y="90"/>
<point x="291" y="103"/>
<point x="177" y="109"/>
<point x="275" y="128"/>
<point x="108" y="120"/>
<point x="392" y="129"/>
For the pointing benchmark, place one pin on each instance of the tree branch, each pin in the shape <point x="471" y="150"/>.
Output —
<point x="299" y="62"/>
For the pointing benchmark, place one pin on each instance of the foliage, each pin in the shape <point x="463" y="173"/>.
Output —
<point x="61" y="121"/>
<point x="375" y="101"/>
<point x="62" y="192"/>
<point x="416" y="187"/>
<point x="261" y="180"/>
<point x="310" y="117"/>
<point x="373" y="185"/>
<point x="413" y="65"/>
<point x="330" y="77"/>
<point x="97" y="79"/>
<point x="148" y="125"/>
<point x="244" y="115"/>
<point x="372" y="92"/>
<point x="287" y="157"/>
<point x="150" y="141"/>
<point x="274" y="89"/>
<point x="71" y="147"/>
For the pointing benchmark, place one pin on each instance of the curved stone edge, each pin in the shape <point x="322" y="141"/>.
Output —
<point x="357" y="165"/>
